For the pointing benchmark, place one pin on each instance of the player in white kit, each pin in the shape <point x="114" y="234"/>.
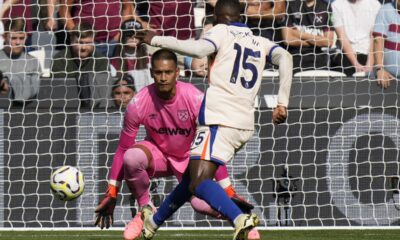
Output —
<point x="226" y="118"/>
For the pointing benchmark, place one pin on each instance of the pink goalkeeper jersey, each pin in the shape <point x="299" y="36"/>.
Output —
<point x="170" y="125"/>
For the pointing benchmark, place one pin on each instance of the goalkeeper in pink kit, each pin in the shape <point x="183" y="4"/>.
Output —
<point x="168" y="109"/>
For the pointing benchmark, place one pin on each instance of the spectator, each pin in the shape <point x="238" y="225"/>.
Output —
<point x="21" y="71"/>
<point x="307" y="30"/>
<point x="263" y="17"/>
<point x="88" y="67"/>
<point x="131" y="57"/>
<point x="171" y="18"/>
<point x="123" y="91"/>
<point x="386" y="41"/>
<point x="16" y="9"/>
<point x="105" y="17"/>
<point x="353" y="21"/>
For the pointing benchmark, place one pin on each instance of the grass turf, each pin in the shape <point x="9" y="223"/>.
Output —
<point x="207" y="235"/>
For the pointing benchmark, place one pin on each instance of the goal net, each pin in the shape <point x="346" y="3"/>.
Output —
<point x="334" y="163"/>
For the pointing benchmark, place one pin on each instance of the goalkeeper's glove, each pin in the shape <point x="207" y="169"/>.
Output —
<point x="105" y="210"/>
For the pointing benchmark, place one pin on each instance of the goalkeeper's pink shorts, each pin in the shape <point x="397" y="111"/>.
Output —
<point x="163" y="165"/>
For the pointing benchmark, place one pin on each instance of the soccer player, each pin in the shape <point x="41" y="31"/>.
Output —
<point x="168" y="110"/>
<point x="226" y="118"/>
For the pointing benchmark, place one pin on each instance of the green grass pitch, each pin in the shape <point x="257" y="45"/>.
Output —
<point x="207" y="235"/>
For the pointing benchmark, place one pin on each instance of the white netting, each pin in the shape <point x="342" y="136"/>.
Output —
<point x="334" y="163"/>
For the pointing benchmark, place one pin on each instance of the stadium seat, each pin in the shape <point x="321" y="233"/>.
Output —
<point x="40" y="54"/>
<point x="319" y="73"/>
<point x="360" y="74"/>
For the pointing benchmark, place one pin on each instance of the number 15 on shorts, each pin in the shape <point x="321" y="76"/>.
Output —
<point x="200" y="136"/>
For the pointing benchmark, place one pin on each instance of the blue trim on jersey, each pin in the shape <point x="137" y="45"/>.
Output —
<point x="237" y="24"/>
<point x="270" y="53"/>
<point x="213" y="132"/>
<point x="202" y="117"/>
<point x="214" y="160"/>
<point x="213" y="43"/>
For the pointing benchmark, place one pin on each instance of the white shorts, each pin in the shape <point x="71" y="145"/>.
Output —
<point x="218" y="143"/>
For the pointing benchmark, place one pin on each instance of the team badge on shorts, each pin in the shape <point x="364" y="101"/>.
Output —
<point x="183" y="115"/>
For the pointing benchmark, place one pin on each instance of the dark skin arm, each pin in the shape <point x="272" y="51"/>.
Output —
<point x="279" y="114"/>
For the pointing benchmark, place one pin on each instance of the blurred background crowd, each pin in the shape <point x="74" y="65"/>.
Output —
<point x="92" y="42"/>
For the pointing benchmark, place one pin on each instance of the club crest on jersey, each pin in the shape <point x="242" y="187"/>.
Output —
<point x="183" y="115"/>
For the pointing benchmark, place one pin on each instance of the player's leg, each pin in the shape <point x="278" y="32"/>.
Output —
<point x="141" y="163"/>
<point x="219" y="146"/>
<point x="136" y="162"/>
<point x="169" y="206"/>
<point x="203" y="172"/>
<point x="222" y="178"/>
<point x="198" y="205"/>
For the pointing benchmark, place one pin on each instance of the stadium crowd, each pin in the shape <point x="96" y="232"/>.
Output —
<point x="95" y="43"/>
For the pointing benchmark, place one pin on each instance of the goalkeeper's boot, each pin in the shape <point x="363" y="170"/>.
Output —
<point x="240" y="201"/>
<point x="253" y="234"/>
<point x="149" y="230"/>
<point x="243" y="225"/>
<point x="134" y="227"/>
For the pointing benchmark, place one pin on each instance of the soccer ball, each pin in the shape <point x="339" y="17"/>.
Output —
<point x="67" y="183"/>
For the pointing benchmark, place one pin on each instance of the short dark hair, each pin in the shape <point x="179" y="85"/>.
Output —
<point x="232" y="6"/>
<point x="15" y="25"/>
<point x="82" y="30"/>
<point x="130" y="82"/>
<point x="164" y="54"/>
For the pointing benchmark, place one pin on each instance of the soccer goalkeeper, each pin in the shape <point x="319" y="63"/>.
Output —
<point x="168" y="109"/>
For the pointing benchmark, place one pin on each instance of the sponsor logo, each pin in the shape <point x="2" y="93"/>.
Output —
<point x="172" y="131"/>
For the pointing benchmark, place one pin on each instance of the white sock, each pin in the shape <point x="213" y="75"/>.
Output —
<point x="153" y="224"/>
<point x="236" y="219"/>
<point x="224" y="183"/>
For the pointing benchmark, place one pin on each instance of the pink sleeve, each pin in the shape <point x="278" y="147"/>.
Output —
<point x="126" y="140"/>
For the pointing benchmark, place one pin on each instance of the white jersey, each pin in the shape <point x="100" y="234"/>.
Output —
<point x="235" y="76"/>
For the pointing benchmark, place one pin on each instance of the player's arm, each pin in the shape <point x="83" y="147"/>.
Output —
<point x="104" y="212"/>
<point x="194" y="48"/>
<point x="202" y="47"/>
<point x="283" y="59"/>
